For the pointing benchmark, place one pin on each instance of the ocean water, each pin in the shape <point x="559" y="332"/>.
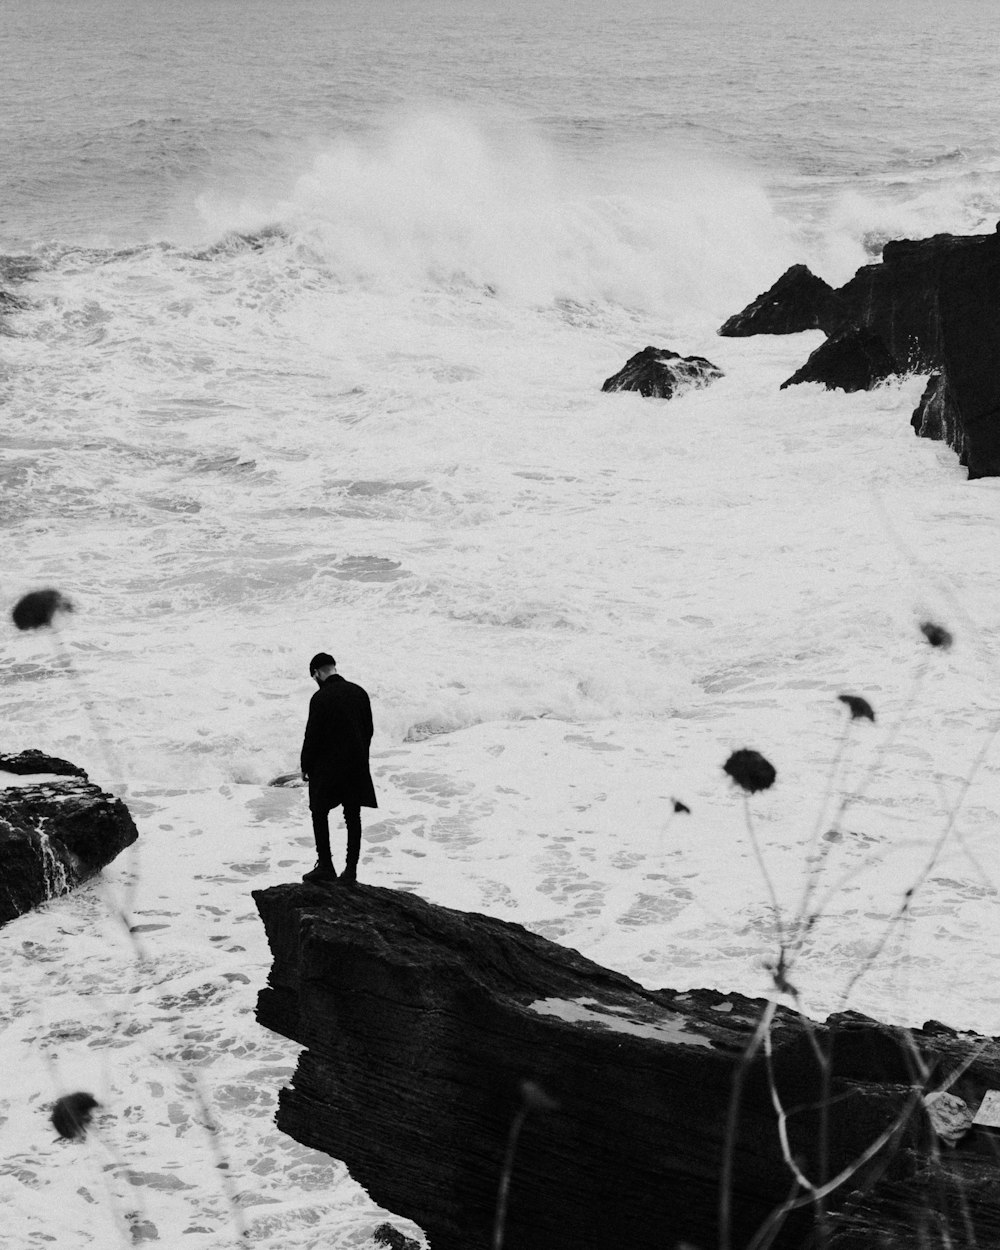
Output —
<point x="319" y="300"/>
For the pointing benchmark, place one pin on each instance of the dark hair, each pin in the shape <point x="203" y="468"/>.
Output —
<point x="322" y="660"/>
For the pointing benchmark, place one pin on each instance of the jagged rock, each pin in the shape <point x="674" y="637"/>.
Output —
<point x="386" y="1235"/>
<point x="56" y="830"/>
<point x="659" y="373"/>
<point x="433" y="1039"/>
<point x="853" y="360"/>
<point x="900" y="298"/>
<point x="934" y="304"/>
<point x="798" y="301"/>
<point x="935" y="417"/>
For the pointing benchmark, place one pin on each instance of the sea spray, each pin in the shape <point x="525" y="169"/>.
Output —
<point x="461" y="200"/>
<point x="55" y="872"/>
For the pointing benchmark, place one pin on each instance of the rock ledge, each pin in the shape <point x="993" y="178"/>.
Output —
<point x="430" y="1033"/>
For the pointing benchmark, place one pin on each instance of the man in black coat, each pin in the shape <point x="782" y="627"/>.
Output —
<point x="335" y="763"/>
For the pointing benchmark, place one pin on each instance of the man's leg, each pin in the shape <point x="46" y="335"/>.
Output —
<point x="352" y="819"/>
<point x="324" y="870"/>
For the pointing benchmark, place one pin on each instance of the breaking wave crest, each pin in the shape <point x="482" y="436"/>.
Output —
<point x="444" y="200"/>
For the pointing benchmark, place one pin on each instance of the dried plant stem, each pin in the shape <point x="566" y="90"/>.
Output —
<point x="904" y="907"/>
<point x="193" y="1085"/>
<point x="765" y="874"/>
<point x="765" y="1234"/>
<point x="121" y="912"/>
<point x="885" y="745"/>
<point x="964" y="788"/>
<point x="806" y="916"/>
<point x="732" y="1120"/>
<point x="121" y="1221"/>
<point x="831" y="783"/>
<point x="786" y="1151"/>
<point x="816" y="858"/>
<point x="187" y="1080"/>
<point x="503" y="1192"/>
<point x="115" y="770"/>
<point x="802" y="1181"/>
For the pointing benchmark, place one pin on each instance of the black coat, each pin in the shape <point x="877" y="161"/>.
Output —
<point x="335" y="746"/>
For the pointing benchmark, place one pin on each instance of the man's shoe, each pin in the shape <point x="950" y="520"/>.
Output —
<point x="348" y="877"/>
<point x="321" y="872"/>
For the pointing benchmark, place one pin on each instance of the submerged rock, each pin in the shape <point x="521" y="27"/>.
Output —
<point x="13" y="270"/>
<point x="798" y="301"/>
<point x="434" y="1039"/>
<point x="56" y="830"/>
<point x="854" y="360"/>
<point x="659" y="373"/>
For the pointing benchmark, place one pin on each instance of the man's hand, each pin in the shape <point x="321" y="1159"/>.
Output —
<point x="305" y="776"/>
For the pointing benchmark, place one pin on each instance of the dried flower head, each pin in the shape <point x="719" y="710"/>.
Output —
<point x="71" y="1115"/>
<point x="936" y="635"/>
<point x="750" y="770"/>
<point x="38" y="607"/>
<point x="860" y="709"/>
<point x="681" y="807"/>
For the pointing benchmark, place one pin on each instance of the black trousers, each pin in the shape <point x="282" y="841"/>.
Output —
<point x="321" y="832"/>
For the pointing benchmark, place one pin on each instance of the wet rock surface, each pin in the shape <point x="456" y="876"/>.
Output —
<point x="434" y="1039"/>
<point x="56" y="830"/>
<point x="934" y="306"/>
<point x="659" y="373"/>
<point x="798" y="301"/>
<point x="854" y="360"/>
<point x="935" y="416"/>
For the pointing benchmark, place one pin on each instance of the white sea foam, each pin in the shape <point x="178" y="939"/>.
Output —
<point x="377" y="428"/>
<point x="455" y="199"/>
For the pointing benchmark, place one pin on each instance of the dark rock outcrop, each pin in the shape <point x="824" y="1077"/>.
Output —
<point x="907" y="297"/>
<point x="798" y="301"/>
<point x="659" y="373"/>
<point x="435" y="1041"/>
<point x="935" y="416"/>
<point x="934" y="304"/>
<point x="31" y="763"/>
<point x="55" y="831"/>
<point x="854" y="360"/>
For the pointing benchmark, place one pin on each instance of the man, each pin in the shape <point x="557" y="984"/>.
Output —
<point x="335" y="763"/>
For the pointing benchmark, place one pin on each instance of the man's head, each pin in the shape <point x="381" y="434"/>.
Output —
<point x="321" y="666"/>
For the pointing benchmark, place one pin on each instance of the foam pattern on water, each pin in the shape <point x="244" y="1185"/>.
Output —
<point x="356" y="407"/>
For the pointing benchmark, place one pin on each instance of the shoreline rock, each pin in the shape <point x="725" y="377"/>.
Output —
<point x="57" y="829"/>
<point x="798" y="301"/>
<point x="853" y="360"/>
<point x="430" y="1033"/>
<point x="934" y="305"/>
